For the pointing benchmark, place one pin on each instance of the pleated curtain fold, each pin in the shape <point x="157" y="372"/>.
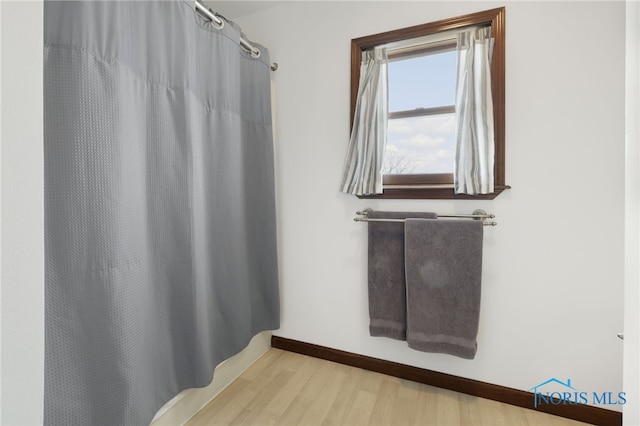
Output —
<point x="474" y="158"/>
<point x="363" y="166"/>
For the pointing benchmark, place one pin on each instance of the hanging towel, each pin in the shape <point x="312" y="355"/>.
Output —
<point x="443" y="270"/>
<point x="387" y="298"/>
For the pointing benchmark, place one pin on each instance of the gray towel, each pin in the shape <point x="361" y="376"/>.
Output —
<point x="387" y="298"/>
<point x="443" y="271"/>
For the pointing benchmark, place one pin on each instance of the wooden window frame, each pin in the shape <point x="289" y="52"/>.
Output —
<point x="439" y="186"/>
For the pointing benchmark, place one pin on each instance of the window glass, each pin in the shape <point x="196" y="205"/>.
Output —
<point x="423" y="82"/>
<point x="420" y="145"/>
<point x="421" y="140"/>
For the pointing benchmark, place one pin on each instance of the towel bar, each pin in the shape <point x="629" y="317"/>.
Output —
<point x="478" y="214"/>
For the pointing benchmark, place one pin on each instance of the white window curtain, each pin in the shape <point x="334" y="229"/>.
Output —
<point x="363" y="165"/>
<point x="473" y="169"/>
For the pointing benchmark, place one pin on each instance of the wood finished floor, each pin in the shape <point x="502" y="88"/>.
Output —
<point x="285" y="388"/>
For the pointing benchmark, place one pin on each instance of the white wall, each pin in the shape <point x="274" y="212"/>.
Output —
<point x="553" y="276"/>
<point x="631" y="380"/>
<point x="22" y="316"/>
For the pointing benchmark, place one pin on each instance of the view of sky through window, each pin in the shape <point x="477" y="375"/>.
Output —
<point x="423" y="144"/>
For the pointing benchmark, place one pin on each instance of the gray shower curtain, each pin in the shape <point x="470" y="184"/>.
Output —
<point x="160" y="239"/>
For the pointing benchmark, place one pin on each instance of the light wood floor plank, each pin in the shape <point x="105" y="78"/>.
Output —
<point x="386" y="403"/>
<point x="407" y="400"/>
<point x="257" y="411"/>
<point x="448" y="411"/>
<point x="426" y="405"/>
<point x="284" y="396"/>
<point x="344" y="398"/>
<point x="470" y="410"/>
<point x="322" y="390"/>
<point x="361" y="409"/>
<point x="283" y="388"/>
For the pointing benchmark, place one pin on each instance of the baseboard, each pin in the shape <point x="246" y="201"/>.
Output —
<point x="580" y="412"/>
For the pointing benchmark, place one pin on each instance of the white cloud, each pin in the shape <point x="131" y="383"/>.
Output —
<point x="425" y="140"/>
<point x="444" y="153"/>
<point x="400" y="126"/>
<point x="424" y="144"/>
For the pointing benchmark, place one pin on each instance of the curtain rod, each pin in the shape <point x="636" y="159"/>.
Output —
<point x="477" y="214"/>
<point x="219" y="23"/>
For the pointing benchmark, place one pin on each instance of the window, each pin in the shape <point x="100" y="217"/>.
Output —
<point x="419" y="155"/>
<point x="421" y="126"/>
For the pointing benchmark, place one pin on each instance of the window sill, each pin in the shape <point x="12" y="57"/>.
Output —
<point x="430" y="192"/>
